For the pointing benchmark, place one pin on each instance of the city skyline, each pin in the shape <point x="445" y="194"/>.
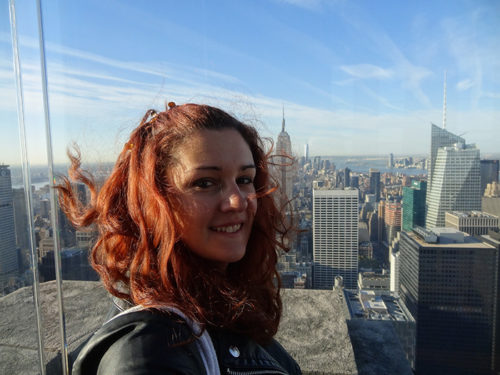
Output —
<point x="354" y="79"/>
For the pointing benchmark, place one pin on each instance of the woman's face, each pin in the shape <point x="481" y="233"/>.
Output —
<point x="215" y="174"/>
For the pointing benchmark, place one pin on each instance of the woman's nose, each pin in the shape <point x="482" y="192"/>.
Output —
<point x="234" y="199"/>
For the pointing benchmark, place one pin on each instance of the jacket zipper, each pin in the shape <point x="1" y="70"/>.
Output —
<point x="255" y="372"/>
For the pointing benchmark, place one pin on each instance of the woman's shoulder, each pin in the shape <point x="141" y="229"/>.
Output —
<point x="277" y="351"/>
<point x="141" y="342"/>
<point x="238" y="353"/>
<point x="160" y="342"/>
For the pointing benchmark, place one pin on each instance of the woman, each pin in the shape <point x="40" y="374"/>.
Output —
<point x="188" y="233"/>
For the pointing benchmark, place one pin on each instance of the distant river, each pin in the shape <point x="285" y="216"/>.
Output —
<point x="361" y="168"/>
<point x="363" y="165"/>
<point x="406" y="171"/>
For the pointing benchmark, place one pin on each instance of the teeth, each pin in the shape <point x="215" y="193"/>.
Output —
<point x="228" y="229"/>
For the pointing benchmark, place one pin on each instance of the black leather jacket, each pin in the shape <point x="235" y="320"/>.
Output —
<point x="152" y="342"/>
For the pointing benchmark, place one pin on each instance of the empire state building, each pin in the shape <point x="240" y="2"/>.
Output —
<point x="284" y="161"/>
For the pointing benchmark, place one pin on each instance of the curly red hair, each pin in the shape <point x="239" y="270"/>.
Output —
<point x="139" y="254"/>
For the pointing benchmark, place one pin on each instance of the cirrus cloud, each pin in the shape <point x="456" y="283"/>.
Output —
<point x="465" y="84"/>
<point x="367" y="71"/>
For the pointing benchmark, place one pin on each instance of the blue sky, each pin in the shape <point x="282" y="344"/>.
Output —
<point x="354" y="78"/>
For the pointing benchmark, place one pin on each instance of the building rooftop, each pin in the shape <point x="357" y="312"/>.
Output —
<point x="466" y="214"/>
<point x="443" y="235"/>
<point x="374" y="275"/>
<point x="375" y="304"/>
<point x="328" y="191"/>
<point x="368" y="305"/>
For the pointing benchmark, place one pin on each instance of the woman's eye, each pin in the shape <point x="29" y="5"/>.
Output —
<point x="203" y="184"/>
<point x="244" y="180"/>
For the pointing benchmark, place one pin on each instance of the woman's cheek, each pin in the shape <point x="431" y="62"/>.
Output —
<point x="252" y="206"/>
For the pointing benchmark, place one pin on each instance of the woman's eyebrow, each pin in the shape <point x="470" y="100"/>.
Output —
<point x="209" y="167"/>
<point x="248" y="166"/>
<point x="215" y="168"/>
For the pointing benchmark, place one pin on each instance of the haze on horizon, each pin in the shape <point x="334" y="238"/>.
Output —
<point x="354" y="79"/>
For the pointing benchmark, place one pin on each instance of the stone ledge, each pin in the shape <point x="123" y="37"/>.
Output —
<point x="86" y="305"/>
<point x="313" y="329"/>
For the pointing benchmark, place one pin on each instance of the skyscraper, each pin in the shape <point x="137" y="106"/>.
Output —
<point x="392" y="218"/>
<point x="390" y="161"/>
<point x="373" y="226"/>
<point x="306" y="152"/>
<point x="81" y="192"/>
<point x="448" y="282"/>
<point x="375" y="183"/>
<point x="489" y="173"/>
<point x="493" y="238"/>
<point x="394" y="262"/>
<point x="440" y="137"/>
<point x="8" y="252"/>
<point x="335" y="237"/>
<point x="347" y="177"/>
<point x="380" y="221"/>
<point x="355" y="182"/>
<point x="20" y="218"/>
<point x="455" y="183"/>
<point x="414" y="205"/>
<point x="284" y="169"/>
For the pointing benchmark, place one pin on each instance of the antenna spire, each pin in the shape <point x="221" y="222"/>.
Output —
<point x="283" y="123"/>
<point x="444" y="102"/>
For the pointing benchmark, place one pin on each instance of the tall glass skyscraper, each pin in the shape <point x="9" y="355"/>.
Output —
<point x="414" y="205"/>
<point x="455" y="183"/>
<point x="8" y="253"/>
<point x="454" y="177"/>
<point x="440" y="138"/>
<point x="335" y="237"/>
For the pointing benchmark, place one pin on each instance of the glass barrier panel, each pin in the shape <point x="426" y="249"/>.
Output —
<point x="26" y="306"/>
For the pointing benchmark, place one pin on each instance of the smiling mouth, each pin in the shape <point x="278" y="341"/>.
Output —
<point x="228" y="228"/>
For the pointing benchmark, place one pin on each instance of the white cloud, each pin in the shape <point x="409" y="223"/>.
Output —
<point x="410" y="74"/>
<point x="465" y="84"/>
<point x="367" y="71"/>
